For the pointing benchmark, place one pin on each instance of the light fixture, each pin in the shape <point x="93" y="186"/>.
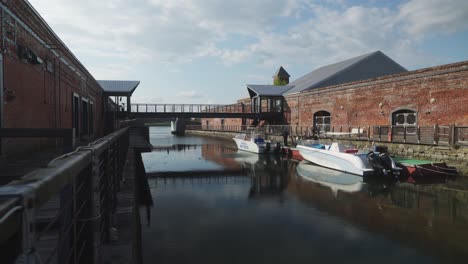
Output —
<point x="380" y="105"/>
<point x="433" y="100"/>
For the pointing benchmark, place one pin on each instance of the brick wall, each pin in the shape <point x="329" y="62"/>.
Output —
<point x="438" y="95"/>
<point x="39" y="95"/>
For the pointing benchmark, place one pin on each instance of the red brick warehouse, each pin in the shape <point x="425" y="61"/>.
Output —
<point x="44" y="85"/>
<point x="367" y="90"/>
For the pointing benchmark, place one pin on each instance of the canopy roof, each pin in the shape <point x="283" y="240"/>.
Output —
<point x="267" y="90"/>
<point x="124" y="88"/>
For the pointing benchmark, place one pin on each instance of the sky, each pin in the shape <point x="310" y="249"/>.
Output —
<point x="206" y="51"/>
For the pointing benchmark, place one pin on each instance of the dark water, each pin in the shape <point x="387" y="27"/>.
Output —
<point x="215" y="205"/>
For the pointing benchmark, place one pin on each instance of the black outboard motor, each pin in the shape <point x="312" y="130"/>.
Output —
<point x="383" y="165"/>
<point x="268" y="147"/>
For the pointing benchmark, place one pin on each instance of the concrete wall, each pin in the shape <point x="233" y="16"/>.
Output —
<point x="39" y="95"/>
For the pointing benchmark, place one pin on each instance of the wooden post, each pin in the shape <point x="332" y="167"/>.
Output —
<point x="391" y="134"/>
<point x="380" y="133"/>
<point x="404" y="134"/>
<point x="452" y="135"/>
<point x="418" y="132"/>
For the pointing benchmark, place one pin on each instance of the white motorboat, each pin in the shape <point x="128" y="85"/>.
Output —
<point x="335" y="180"/>
<point x="255" y="144"/>
<point x="336" y="156"/>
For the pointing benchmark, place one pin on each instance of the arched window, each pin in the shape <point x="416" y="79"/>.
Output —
<point x="322" y="121"/>
<point x="405" y="118"/>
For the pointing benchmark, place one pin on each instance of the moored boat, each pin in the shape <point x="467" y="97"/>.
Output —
<point x="336" y="156"/>
<point x="425" y="171"/>
<point x="255" y="144"/>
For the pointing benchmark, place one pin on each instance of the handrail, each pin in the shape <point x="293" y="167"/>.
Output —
<point x="188" y="108"/>
<point x="69" y="177"/>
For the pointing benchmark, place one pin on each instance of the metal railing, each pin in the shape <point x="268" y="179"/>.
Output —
<point x="187" y="108"/>
<point x="427" y="135"/>
<point x="61" y="213"/>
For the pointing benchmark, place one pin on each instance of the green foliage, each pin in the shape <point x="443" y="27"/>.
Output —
<point x="280" y="82"/>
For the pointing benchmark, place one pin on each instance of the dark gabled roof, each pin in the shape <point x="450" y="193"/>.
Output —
<point x="371" y="65"/>
<point x="113" y="87"/>
<point x="281" y="72"/>
<point x="267" y="90"/>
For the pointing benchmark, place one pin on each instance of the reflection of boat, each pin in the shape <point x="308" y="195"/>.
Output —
<point x="336" y="156"/>
<point x="335" y="180"/>
<point x="246" y="157"/>
<point x="255" y="144"/>
<point x="425" y="171"/>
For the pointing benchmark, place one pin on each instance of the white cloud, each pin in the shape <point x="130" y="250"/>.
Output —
<point x="147" y="99"/>
<point x="115" y="37"/>
<point x="189" y="94"/>
<point x="434" y="16"/>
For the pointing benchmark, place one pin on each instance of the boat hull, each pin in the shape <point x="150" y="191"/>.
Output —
<point x="428" y="173"/>
<point x="349" y="163"/>
<point x="246" y="145"/>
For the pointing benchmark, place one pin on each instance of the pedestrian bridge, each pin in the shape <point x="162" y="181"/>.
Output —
<point x="200" y="111"/>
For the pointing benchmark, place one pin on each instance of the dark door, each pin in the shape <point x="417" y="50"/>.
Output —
<point x="84" y="118"/>
<point x="76" y="114"/>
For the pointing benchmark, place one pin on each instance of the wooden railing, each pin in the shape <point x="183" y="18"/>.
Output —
<point x="426" y="135"/>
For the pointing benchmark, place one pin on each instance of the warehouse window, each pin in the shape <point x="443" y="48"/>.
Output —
<point x="405" y="118"/>
<point x="91" y="118"/>
<point x="84" y="117"/>
<point x="322" y="121"/>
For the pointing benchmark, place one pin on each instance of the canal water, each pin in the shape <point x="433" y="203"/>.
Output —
<point x="213" y="204"/>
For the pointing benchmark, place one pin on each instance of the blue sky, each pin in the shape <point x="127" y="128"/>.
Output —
<point x="206" y="51"/>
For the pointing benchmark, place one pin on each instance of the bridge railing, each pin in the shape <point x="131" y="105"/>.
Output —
<point x="188" y="108"/>
<point x="61" y="213"/>
<point x="428" y="135"/>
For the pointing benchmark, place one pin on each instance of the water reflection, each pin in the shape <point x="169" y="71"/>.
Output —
<point x="431" y="218"/>
<point x="335" y="180"/>
<point x="270" y="209"/>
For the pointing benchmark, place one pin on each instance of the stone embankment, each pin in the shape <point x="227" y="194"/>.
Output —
<point x="453" y="156"/>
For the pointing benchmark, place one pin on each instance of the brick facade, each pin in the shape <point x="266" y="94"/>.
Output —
<point x="439" y="95"/>
<point x="37" y="93"/>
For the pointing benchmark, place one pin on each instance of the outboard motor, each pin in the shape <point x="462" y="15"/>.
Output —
<point x="383" y="165"/>
<point x="277" y="149"/>
<point x="267" y="147"/>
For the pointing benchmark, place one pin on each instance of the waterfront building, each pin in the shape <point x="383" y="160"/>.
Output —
<point x="43" y="85"/>
<point x="367" y="90"/>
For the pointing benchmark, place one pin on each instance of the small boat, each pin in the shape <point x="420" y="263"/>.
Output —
<point x="336" y="156"/>
<point x="335" y="180"/>
<point x="425" y="171"/>
<point x="255" y="144"/>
